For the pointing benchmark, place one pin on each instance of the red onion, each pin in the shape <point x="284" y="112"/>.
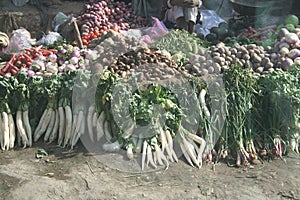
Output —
<point x="104" y="14"/>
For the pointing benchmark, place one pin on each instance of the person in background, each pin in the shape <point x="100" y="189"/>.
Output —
<point x="183" y="12"/>
<point x="147" y="8"/>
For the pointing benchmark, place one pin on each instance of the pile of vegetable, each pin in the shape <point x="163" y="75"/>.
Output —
<point x="101" y="16"/>
<point x="24" y="60"/>
<point x="185" y="46"/>
<point x="128" y="118"/>
<point x="220" y="57"/>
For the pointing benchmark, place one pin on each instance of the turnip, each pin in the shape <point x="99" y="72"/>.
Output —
<point x="30" y="73"/>
<point x="74" y="60"/>
<point x="52" y="68"/>
<point x="52" y="58"/>
<point x="291" y="38"/>
<point x="294" y="53"/>
<point x="21" y="129"/>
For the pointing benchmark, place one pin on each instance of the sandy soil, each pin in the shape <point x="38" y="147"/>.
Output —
<point x="76" y="174"/>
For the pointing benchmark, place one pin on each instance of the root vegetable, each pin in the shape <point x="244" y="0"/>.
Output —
<point x="150" y="157"/>
<point x="1" y="134"/>
<point x="21" y="129"/>
<point x="50" y="126"/>
<point x="61" y="129"/>
<point x="55" y="130"/>
<point x="163" y="139"/>
<point x="77" y="135"/>
<point x="68" y="117"/>
<point x="79" y="121"/>
<point x="44" y="125"/>
<point x="191" y="151"/>
<point x="94" y="120"/>
<point x="100" y="126"/>
<point x="139" y="145"/>
<point x="186" y="155"/>
<point x="203" y="104"/>
<point x="91" y="111"/>
<point x="74" y="123"/>
<point x="129" y="153"/>
<point x="107" y="131"/>
<point x="27" y="126"/>
<point x="5" y="125"/>
<point x="144" y="152"/>
<point x="12" y="131"/>
<point x="112" y="147"/>
<point x="167" y="147"/>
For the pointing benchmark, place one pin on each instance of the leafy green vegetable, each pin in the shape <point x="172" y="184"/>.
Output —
<point x="180" y="44"/>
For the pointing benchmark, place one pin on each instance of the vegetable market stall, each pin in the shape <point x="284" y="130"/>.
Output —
<point x="256" y="118"/>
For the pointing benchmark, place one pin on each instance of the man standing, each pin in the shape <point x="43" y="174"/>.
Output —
<point x="185" y="13"/>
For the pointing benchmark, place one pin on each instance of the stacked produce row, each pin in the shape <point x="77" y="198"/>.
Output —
<point x="235" y="101"/>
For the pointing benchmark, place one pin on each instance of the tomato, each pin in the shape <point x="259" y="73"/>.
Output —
<point x="116" y="29"/>
<point x="94" y="36"/>
<point x="97" y="33"/>
<point x="84" y="42"/>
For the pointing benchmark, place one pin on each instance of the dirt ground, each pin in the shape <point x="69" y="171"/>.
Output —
<point x="76" y="174"/>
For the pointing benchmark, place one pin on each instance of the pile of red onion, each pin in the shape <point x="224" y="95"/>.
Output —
<point x="100" y="15"/>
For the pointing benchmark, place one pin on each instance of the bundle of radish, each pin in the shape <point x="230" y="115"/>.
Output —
<point x="48" y="123"/>
<point x="140" y="128"/>
<point x="79" y="105"/>
<point x="191" y="151"/>
<point x="100" y="16"/>
<point x="92" y="115"/>
<point x="7" y="125"/>
<point x="65" y="108"/>
<point x="22" y="97"/>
